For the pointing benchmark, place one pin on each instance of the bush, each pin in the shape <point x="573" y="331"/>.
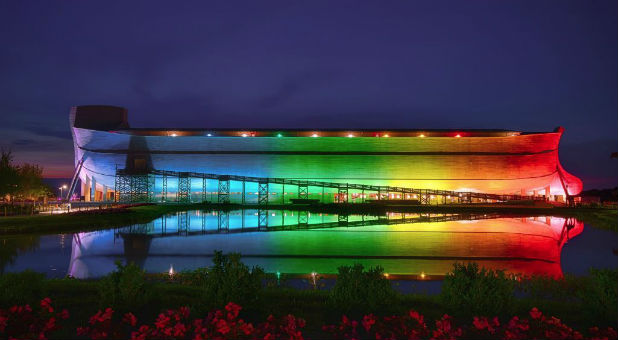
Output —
<point x="230" y="280"/>
<point x="124" y="289"/>
<point x="357" y="289"/>
<point x="469" y="290"/>
<point x="21" y="288"/>
<point x="600" y="296"/>
<point x="548" y="288"/>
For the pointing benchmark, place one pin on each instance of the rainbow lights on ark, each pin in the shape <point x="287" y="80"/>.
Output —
<point x="491" y="161"/>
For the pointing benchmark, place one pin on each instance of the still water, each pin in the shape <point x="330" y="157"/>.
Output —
<point x="299" y="242"/>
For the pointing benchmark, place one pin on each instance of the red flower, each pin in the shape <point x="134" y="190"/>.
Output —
<point x="184" y="311"/>
<point x="222" y="326"/>
<point x="162" y="321"/>
<point x="416" y="316"/>
<point x="233" y="309"/>
<point x="130" y="319"/>
<point x="535" y="313"/>
<point x="46" y="304"/>
<point x="368" y="321"/>
<point x="64" y="314"/>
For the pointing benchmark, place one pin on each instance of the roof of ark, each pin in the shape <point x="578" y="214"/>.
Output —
<point x="237" y="132"/>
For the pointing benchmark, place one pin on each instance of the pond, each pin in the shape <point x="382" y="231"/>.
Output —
<point x="412" y="246"/>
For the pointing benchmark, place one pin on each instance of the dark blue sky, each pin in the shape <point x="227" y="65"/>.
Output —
<point x="522" y="65"/>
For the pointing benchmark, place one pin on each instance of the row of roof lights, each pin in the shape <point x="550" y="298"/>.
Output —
<point x="279" y="135"/>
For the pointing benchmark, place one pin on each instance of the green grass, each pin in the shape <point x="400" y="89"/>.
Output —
<point x="602" y="218"/>
<point x="86" y="221"/>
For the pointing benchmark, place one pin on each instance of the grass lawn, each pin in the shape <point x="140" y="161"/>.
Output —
<point x="93" y="220"/>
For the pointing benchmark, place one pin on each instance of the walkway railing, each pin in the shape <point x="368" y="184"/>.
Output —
<point x="130" y="187"/>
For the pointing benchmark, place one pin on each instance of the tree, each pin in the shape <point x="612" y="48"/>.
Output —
<point x="30" y="184"/>
<point x="24" y="181"/>
<point x="9" y="175"/>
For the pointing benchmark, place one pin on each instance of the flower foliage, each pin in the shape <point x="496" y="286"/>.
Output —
<point x="412" y="326"/>
<point x="24" y="322"/>
<point x="176" y="324"/>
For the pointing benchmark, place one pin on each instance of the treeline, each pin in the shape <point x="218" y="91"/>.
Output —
<point x="21" y="182"/>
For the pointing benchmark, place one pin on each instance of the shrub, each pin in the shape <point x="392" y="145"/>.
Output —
<point x="357" y="289"/>
<point x="600" y="296"/>
<point x="21" y="288"/>
<point x="469" y="290"/>
<point x="125" y="288"/>
<point x="549" y="288"/>
<point x="231" y="280"/>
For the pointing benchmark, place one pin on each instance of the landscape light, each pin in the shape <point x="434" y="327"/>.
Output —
<point x="422" y="135"/>
<point x="314" y="135"/>
<point x="174" y="135"/>
<point x="350" y="135"/>
<point x="457" y="135"/>
<point x="209" y="135"/>
<point x="423" y="275"/>
<point x="386" y="135"/>
<point x="244" y="135"/>
<point x="279" y="135"/>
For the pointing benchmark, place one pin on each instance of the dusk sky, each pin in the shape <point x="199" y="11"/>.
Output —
<point x="520" y="65"/>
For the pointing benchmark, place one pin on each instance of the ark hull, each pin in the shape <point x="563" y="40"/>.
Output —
<point x="502" y="162"/>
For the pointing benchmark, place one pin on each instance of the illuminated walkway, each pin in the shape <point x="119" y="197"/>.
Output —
<point x="131" y="187"/>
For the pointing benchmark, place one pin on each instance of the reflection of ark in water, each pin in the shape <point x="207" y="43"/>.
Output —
<point x="487" y="161"/>
<point x="527" y="246"/>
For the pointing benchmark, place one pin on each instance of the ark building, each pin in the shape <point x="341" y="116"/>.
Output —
<point x="116" y="162"/>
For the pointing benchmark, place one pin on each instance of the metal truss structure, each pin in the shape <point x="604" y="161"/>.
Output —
<point x="184" y="188"/>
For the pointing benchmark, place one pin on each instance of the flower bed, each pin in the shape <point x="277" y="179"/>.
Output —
<point x="23" y="322"/>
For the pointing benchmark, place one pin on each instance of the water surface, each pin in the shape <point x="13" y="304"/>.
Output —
<point x="416" y="246"/>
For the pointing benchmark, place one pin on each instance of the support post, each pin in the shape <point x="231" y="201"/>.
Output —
<point x="263" y="193"/>
<point x="203" y="189"/>
<point x="342" y="194"/>
<point x="223" y="218"/>
<point x="303" y="191"/>
<point x="243" y="191"/>
<point x="262" y="219"/>
<point x="184" y="188"/>
<point x="303" y="217"/>
<point x="164" y="188"/>
<point x="93" y="189"/>
<point x="183" y="223"/>
<point x="223" y="195"/>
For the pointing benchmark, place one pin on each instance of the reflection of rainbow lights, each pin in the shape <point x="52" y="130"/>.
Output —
<point x="526" y="246"/>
